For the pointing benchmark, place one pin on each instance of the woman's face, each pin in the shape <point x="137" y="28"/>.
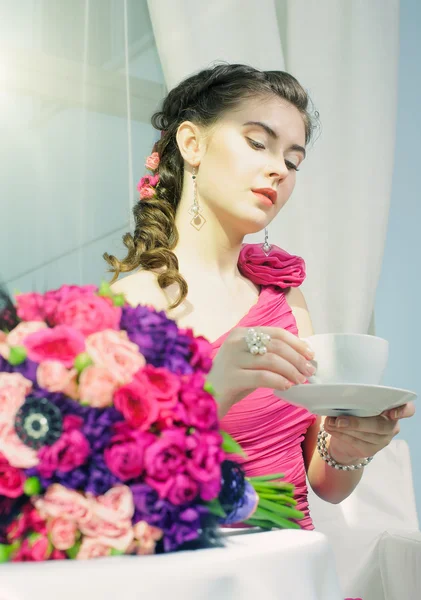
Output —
<point x="259" y="146"/>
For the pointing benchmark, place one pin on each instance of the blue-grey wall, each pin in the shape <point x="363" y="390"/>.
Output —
<point x="398" y="303"/>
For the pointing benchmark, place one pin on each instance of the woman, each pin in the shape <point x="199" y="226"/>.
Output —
<point x="233" y="139"/>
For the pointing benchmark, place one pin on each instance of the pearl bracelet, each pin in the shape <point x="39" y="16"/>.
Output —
<point x="324" y="453"/>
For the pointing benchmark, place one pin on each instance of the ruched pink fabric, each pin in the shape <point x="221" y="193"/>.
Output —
<point x="269" y="429"/>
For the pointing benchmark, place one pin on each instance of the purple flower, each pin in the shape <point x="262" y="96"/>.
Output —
<point x="158" y="338"/>
<point x="98" y="426"/>
<point x="180" y="524"/>
<point x="28" y="369"/>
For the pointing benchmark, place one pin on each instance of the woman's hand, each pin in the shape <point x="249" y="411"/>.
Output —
<point x="236" y="372"/>
<point x="354" y="438"/>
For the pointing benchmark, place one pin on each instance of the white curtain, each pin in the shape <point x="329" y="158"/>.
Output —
<point x="79" y="80"/>
<point x="345" y="52"/>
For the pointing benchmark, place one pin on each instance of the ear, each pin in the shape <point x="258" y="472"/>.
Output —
<point x="191" y="143"/>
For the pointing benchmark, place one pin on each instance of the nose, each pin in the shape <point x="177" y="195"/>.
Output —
<point x="277" y="169"/>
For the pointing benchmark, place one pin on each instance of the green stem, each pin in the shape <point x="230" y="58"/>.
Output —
<point x="285" y="511"/>
<point x="266" y="477"/>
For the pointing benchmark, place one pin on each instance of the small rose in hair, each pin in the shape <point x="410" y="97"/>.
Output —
<point x="152" y="162"/>
<point x="146" y="186"/>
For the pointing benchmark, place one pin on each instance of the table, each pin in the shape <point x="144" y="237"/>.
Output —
<point x="290" y="564"/>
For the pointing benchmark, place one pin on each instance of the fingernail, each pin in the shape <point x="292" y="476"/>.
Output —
<point x="309" y="353"/>
<point x="342" y="423"/>
<point x="331" y="421"/>
<point x="397" y="413"/>
<point x="310" y="370"/>
<point x="301" y="378"/>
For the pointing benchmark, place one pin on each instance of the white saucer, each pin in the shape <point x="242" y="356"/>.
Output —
<point x="335" y="399"/>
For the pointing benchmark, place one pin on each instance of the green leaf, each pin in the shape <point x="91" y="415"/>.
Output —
<point x="119" y="300"/>
<point x="105" y="289"/>
<point x="115" y="552"/>
<point x="214" y="507"/>
<point x="32" y="486"/>
<point x="82" y="361"/>
<point x="5" y="552"/>
<point x="230" y="446"/>
<point x="208" y="387"/>
<point x="17" y="355"/>
<point x="74" y="550"/>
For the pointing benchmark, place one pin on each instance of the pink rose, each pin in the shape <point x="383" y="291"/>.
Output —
<point x="30" y="307"/>
<point x="112" y="350"/>
<point x="152" y="162"/>
<point x="164" y="459"/>
<point x="201" y="350"/>
<point x="11" y="479"/>
<point x="279" y="268"/>
<point x="17" y="336"/>
<point x="53" y="376"/>
<point x="16" y="452"/>
<point x="162" y="385"/>
<point x="61" y="343"/>
<point x="134" y="401"/>
<point x="58" y="501"/>
<point x="146" y="192"/>
<point x="92" y="548"/>
<point x="65" y="293"/>
<point x="11" y="397"/>
<point x="62" y="532"/>
<point x="70" y="451"/>
<point x="183" y="489"/>
<point x="97" y="386"/>
<point x="200" y="405"/>
<point x="15" y="380"/>
<point x="34" y="550"/>
<point x="148" y="181"/>
<point x="204" y="466"/>
<point x="172" y="417"/>
<point x="146" y="537"/>
<point x="87" y="314"/>
<point x="124" y="457"/>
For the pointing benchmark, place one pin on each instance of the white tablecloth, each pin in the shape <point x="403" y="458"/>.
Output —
<point x="297" y="565"/>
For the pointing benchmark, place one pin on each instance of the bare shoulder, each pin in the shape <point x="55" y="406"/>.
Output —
<point x="298" y="304"/>
<point x="141" y="288"/>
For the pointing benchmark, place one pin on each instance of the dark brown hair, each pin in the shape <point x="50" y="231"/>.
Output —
<point x="202" y="98"/>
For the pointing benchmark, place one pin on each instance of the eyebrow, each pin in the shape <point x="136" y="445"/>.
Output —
<point x="274" y="135"/>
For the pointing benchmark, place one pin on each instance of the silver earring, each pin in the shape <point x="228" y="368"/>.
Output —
<point x="198" y="219"/>
<point x="266" y="247"/>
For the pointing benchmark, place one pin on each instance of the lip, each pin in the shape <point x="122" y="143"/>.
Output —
<point x="267" y="193"/>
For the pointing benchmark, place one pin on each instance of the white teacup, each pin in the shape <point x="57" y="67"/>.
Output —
<point x="348" y="358"/>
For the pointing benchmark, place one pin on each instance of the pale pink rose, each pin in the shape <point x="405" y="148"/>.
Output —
<point x="152" y="162"/>
<point x="53" y="376"/>
<point x="97" y="386"/>
<point x="11" y="399"/>
<point x="4" y="348"/>
<point x="112" y="350"/>
<point x="62" y="532"/>
<point x="17" y="336"/>
<point x="119" y="499"/>
<point x="92" y="548"/>
<point x="111" y="518"/>
<point x="15" y="380"/>
<point x="146" y="192"/>
<point x="58" y="501"/>
<point x="146" y="536"/>
<point x="17" y="453"/>
<point x="60" y="343"/>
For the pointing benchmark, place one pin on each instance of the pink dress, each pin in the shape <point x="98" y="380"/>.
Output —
<point x="269" y="429"/>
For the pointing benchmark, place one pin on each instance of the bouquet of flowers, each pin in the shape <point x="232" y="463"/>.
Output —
<point x="109" y="435"/>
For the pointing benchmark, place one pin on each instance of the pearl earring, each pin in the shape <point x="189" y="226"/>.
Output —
<point x="198" y="219"/>
<point x="266" y="247"/>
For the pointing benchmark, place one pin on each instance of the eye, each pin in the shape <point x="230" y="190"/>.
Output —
<point x="256" y="145"/>
<point x="291" y="165"/>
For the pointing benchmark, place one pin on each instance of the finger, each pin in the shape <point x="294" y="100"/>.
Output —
<point x="277" y="333"/>
<point x="401" y="412"/>
<point x="376" y="439"/>
<point x="263" y="379"/>
<point x="273" y="363"/>
<point x="361" y="449"/>
<point x="379" y="424"/>
<point x="292" y="356"/>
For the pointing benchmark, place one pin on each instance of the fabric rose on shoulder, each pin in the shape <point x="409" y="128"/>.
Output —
<point x="279" y="268"/>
